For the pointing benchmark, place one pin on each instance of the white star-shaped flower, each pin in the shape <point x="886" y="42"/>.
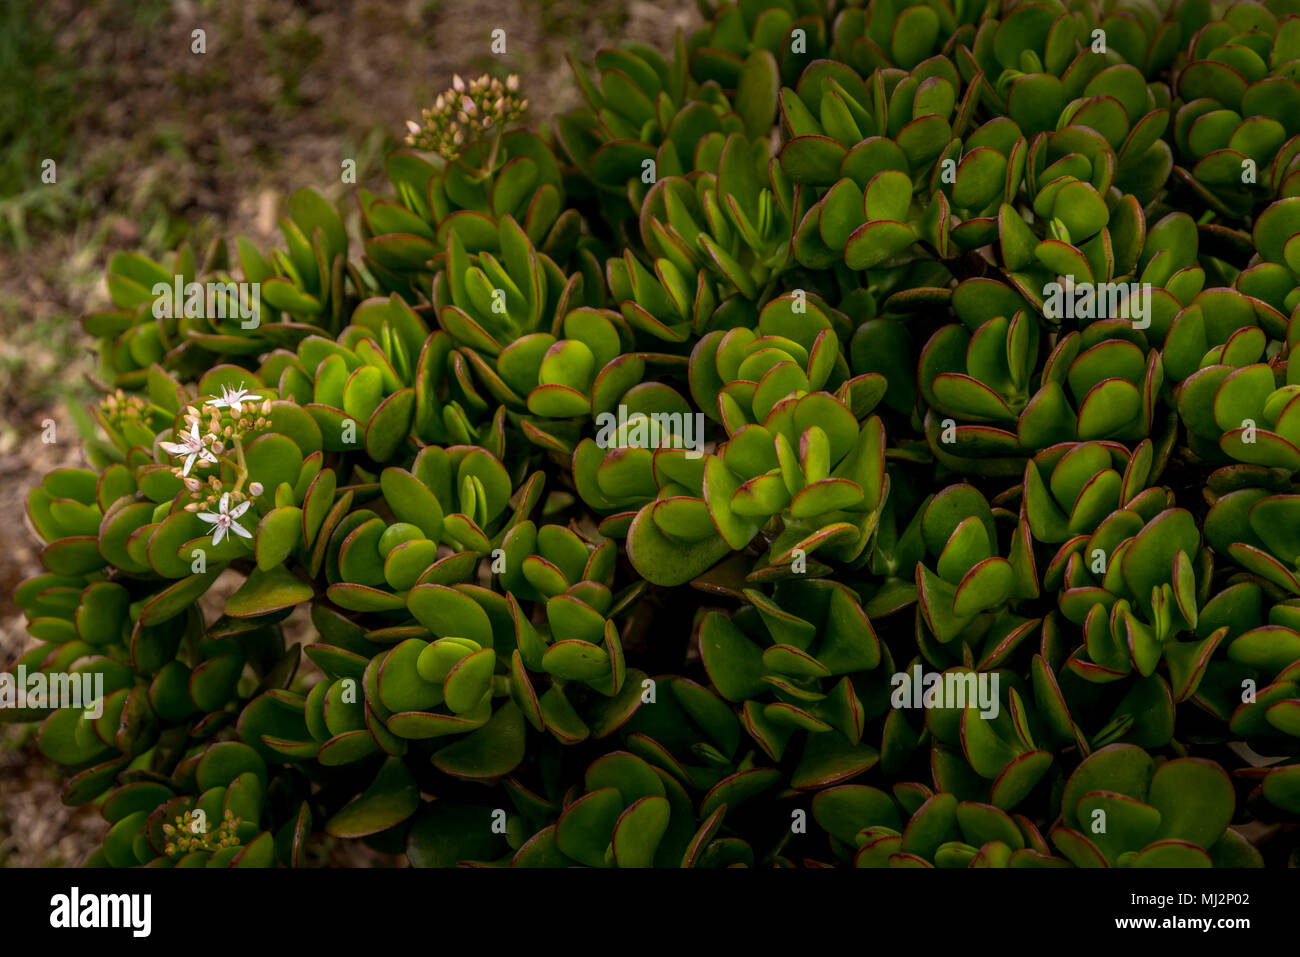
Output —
<point x="191" y="446"/>
<point x="223" y="520"/>
<point x="232" y="399"/>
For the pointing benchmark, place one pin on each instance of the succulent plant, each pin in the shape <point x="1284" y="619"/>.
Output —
<point x="880" y="830"/>
<point x="807" y="665"/>
<point x="970" y="581"/>
<point x="1234" y="126"/>
<point x="884" y="413"/>
<point x="1119" y="810"/>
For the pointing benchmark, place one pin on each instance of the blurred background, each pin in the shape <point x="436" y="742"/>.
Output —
<point x="154" y="144"/>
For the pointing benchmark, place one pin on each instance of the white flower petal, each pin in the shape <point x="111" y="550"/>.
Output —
<point x="218" y="534"/>
<point x="224" y="505"/>
<point x="239" y="509"/>
<point x="210" y="517"/>
<point x="236" y="527"/>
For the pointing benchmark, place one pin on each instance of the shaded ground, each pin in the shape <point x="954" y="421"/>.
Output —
<point x="154" y="143"/>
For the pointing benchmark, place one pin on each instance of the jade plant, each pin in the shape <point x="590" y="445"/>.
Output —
<point x="863" y="434"/>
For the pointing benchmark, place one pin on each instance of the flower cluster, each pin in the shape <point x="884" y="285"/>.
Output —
<point x="224" y="433"/>
<point x="465" y="113"/>
<point x="181" y="838"/>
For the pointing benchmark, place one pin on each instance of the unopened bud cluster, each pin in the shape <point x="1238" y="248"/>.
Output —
<point x="461" y="115"/>
<point x="219" y="439"/>
<point x="120" y="408"/>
